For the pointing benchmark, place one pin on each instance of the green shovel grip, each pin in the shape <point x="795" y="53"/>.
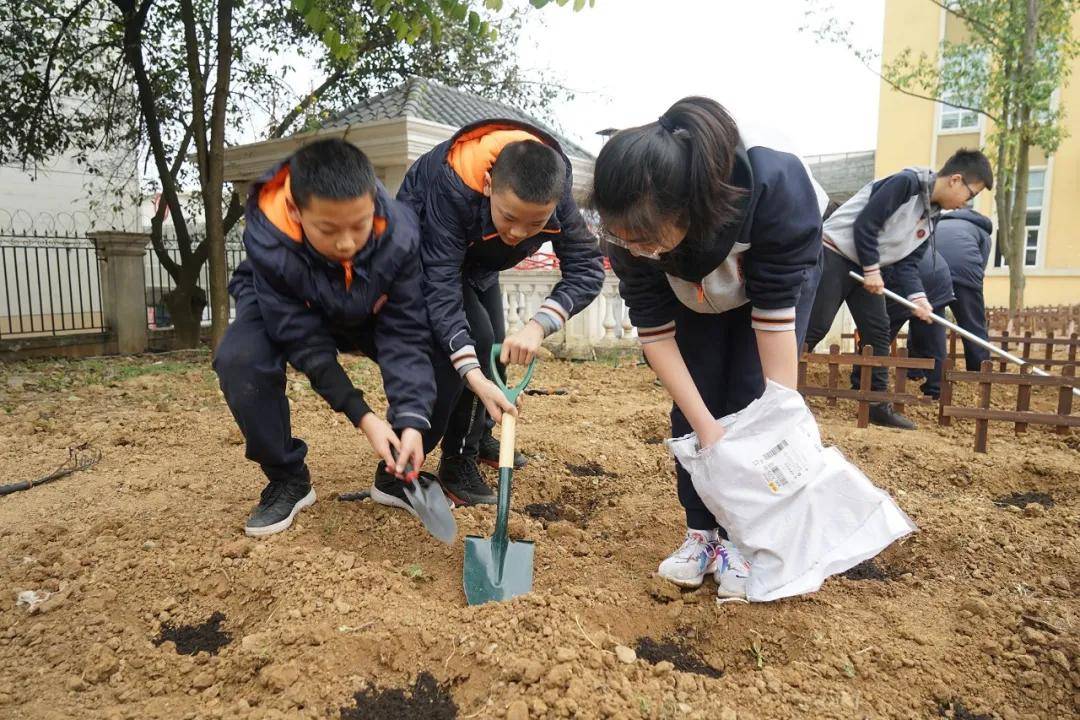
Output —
<point x="510" y="392"/>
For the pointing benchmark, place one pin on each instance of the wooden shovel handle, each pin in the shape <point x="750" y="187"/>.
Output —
<point x="506" y="441"/>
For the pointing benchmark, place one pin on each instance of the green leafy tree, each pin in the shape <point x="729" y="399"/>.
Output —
<point x="1017" y="55"/>
<point x="175" y="82"/>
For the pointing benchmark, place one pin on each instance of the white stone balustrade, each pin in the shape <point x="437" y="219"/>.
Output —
<point x="605" y="322"/>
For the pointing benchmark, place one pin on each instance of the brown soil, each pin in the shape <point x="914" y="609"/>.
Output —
<point x="977" y="616"/>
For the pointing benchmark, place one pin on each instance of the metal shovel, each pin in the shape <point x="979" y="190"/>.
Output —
<point x="498" y="568"/>
<point x="428" y="500"/>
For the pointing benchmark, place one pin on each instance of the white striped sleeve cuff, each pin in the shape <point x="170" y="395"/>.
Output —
<point x="869" y="269"/>
<point x="656" y="334"/>
<point x="778" y="320"/>
<point x="464" y="360"/>
<point x="916" y="296"/>
<point x="551" y="316"/>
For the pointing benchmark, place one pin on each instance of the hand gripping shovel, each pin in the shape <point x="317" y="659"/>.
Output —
<point x="498" y="568"/>
<point x="431" y="506"/>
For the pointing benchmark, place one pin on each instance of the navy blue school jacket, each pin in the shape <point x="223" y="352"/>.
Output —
<point x="459" y="241"/>
<point x="963" y="239"/>
<point x="311" y="305"/>
<point x="762" y="257"/>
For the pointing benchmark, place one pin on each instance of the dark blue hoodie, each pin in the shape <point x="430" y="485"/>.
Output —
<point x="963" y="239"/>
<point x="311" y="305"/>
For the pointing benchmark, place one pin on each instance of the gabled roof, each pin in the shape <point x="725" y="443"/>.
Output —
<point x="432" y="101"/>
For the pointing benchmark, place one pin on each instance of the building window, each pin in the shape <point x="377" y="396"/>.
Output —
<point x="1034" y="220"/>
<point x="966" y="71"/>
<point x="954" y="118"/>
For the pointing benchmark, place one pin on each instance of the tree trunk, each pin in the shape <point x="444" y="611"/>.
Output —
<point x="214" y="177"/>
<point x="1018" y="221"/>
<point x="1018" y="248"/>
<point x="186" y="303"/>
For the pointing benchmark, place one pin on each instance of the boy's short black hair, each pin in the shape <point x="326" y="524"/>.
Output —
<point x="535" y="172"/>
<point x="331" y="169"/>
<point x="972" y="164"/>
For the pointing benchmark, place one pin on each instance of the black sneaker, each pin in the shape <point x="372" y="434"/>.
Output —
<point x="281" y="500"/>
<point x="885" y="415"/>
<point x="388" y="490"/>
<point x="489" y="452"/>
<point x="464" y="485"/>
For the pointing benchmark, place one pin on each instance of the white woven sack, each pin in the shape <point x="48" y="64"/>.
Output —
<point x="799" y="512"/>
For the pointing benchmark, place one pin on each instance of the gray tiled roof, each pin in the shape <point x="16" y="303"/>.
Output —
<point x="428" y="100"/>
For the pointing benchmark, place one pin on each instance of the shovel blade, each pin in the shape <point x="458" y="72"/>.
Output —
<point x="430" y="503"/>
<point x="491" y="578"/>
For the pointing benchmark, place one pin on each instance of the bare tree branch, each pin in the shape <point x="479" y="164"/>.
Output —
<point x="896" y="86"/>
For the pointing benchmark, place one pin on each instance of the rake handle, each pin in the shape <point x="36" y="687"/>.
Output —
<point x="962" y="332"/>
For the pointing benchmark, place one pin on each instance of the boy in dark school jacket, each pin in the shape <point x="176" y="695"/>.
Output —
<point x="887" y="223"/>
<point x="963" y="239"/>
<point x="332" y="264"/>
<point x="925" y="339"/>
<point x="488" y="198"/>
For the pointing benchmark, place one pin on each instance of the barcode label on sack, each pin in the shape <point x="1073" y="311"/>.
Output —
<point x="782" y="465"/>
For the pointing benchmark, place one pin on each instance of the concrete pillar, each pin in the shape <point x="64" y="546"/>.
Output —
<point x="121" y="257"/>
<point x="394" y="175"/>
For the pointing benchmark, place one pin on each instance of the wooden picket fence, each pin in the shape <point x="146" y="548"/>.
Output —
<point x="1022" y="416"/>
<point x="1054" y="354"/>
<point x="834" y="359"/>
<point x="1036" y="350"/>
<point x="1049" y="351"/>
<point x="896" y="341"/>
<point x="1039" y="319"/>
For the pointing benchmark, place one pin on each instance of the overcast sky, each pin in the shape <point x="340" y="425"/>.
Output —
<point x="629" y="60"/>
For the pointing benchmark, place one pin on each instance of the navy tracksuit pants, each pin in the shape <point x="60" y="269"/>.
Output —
<point x="925" y="340"/>
<point x="970" y="312"/>
<point x="468" y="419"/>
<point x="251" y="373"/>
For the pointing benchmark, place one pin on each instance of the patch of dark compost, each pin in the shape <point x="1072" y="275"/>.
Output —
<point x="1022" y="500"/>
<point x="426" y="700"/>
<point x="956" y="710"/>
<point x="548" y="511"/>
<point x="867" y="570"/>
<point x="589" y="469"/>
<point x="684" y="659"/>
<point x="192" y="639"/>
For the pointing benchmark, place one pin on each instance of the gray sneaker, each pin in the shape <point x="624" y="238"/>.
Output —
<point x="281" y="500"/>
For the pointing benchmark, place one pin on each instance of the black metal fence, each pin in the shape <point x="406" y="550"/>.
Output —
<point x="159" y="283"/>
<point x="50" y="284"/>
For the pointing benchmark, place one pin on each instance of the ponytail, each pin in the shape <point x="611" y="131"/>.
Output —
<point x="675" y="170"/>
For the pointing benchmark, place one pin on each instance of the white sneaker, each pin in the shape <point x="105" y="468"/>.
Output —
<point x="695" y="558"/>
<point x="731" y="570"/>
